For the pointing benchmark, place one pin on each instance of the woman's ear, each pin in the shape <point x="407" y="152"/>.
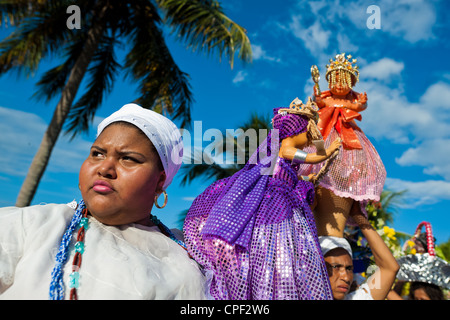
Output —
<point x="161" y="181"/>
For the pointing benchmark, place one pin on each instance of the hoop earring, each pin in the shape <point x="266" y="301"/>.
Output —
<point x="165" y="200"/>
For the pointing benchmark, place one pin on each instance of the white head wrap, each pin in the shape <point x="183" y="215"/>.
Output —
<point x="328" y="243"/>
<point x="162" y="132"/>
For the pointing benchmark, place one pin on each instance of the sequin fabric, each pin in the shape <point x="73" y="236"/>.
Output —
<point x="255" y="235"/>
<point x="424" y="268"/>
<point x="355" y="173"/>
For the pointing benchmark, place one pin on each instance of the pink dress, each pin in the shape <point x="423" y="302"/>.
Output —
<point x="357" y="172"/>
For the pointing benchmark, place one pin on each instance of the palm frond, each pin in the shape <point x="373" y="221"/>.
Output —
<point x="41" y="33"/>
<point x="206" y="172"/>
<point x="207" y="168"/>
<point x="204" y="27"/>
<point x="391" y="199"/>
<point x="54" y="80"/>
<point x="241" y="142"/>
<point x="13" y="12"/>
<point x="163" y="86"/>
<point x="102" y="75"/>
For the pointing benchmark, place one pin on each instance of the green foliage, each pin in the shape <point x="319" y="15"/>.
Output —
<point x="133" y="25"/>
<point x="443" y="250"/>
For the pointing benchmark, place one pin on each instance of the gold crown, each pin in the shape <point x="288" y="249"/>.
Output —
<point x="298" y="107"/>
<point x="344" y="64"/>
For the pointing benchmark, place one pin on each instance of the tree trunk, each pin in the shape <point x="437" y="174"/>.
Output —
<point x="41" y="158"/>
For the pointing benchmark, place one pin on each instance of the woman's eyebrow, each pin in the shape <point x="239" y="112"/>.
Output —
<point x="125" y="153"/>
<point x="98" y="148"/>
<point x="119" y="152"/>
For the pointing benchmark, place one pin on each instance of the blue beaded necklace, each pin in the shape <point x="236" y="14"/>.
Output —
<point x="81" y="220"/>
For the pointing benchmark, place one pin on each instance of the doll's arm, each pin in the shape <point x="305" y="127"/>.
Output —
<point x="290" y="146"/>
<point x="359" y="104"/>
<point x="320" y="98"/>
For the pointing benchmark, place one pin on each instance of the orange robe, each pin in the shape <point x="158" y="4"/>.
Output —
<point x="343" y="120"/>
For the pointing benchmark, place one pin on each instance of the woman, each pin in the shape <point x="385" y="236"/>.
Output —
<point x="109" y="246"/>
<point x="417" y="291"/>
<point x="254" y="232"/>
<point x="357" y="175"/>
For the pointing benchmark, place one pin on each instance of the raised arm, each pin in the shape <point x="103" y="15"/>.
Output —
<point x="359" y="103"/>
<point x="381" y="281"/>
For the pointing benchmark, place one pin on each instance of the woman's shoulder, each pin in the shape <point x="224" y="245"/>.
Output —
<point x="39" y="214"/>
<point x="44" y="208"/>
<point x="56" y="209"/>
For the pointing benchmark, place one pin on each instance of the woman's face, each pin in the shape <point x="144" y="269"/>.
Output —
<point x="420" y="294"/>
<point x="121" y="176"/>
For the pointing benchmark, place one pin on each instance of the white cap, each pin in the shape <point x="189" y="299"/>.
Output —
<point x="162" y="132"/>
<point x="328" y="243"/>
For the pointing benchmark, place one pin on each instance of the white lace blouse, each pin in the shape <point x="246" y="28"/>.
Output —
<point x="126" y="262"/>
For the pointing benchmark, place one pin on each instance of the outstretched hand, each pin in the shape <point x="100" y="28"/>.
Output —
<point x="362" y="98"/>
<point x="335" y="145"/>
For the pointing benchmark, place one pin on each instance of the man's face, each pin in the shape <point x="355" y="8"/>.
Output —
<point x="340" y="271"/>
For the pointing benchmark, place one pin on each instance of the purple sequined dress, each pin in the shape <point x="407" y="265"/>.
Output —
<point x="255" y="234"/>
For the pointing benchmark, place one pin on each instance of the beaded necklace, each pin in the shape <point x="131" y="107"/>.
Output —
<point x="80" y="219"/>
<point x="79" y="250"/>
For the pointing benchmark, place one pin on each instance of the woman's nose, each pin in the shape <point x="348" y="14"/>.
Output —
<point x="107" y="168"/>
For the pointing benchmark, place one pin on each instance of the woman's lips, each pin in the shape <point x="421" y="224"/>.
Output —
<point x="101" y="186"/>
<point x="343" y="288"/>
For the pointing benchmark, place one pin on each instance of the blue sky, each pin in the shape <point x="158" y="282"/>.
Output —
<point x="404" y="70"/>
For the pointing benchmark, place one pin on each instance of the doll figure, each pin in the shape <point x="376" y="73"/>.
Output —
<point x="357" y="174"/>
<point x="254" y="232"/>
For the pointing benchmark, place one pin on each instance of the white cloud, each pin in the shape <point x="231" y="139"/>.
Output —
<point x="423" y="125"/>
<point x="315" y="38"/>
<point x="411" y="20"/>
<point x="392" y="116"/>
<point x="433" y="154"/>
<point x="437" y="97"/>
<point x="325" y="27"/>
<point x="260" y="54"/>
<point x="240" y="77"/>
<point x="21" y="136"/>
<point x="382" y="69"/>
<point x="345" y="44"/>
<point x="421" y="192"/>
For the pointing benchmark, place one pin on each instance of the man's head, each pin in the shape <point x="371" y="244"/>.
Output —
<point x="338" y="259"/>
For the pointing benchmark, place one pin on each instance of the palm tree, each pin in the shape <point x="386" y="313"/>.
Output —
<point x="136" y="25"/>
<point x="382" y="213"/>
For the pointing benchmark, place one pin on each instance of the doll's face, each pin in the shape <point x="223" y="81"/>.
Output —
<point x="340" y="88"/>
<point x="121" y="176"/>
